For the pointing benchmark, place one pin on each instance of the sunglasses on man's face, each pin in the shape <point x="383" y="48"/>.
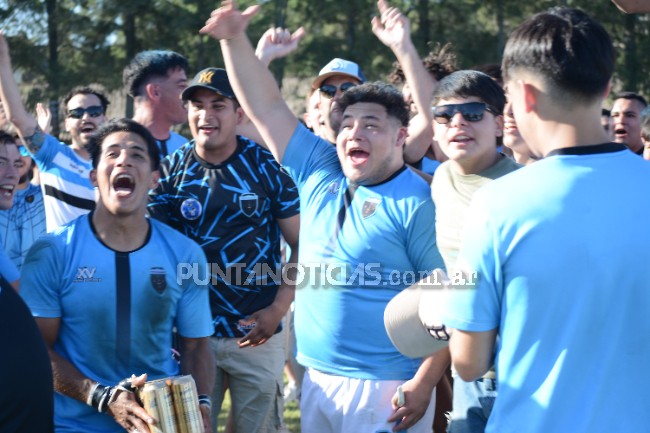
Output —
<point x="329" y="90"/>
<point x="471" y="111"/>
<point x="93" y="111"/>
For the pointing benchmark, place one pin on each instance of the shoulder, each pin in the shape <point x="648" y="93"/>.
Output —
<point x="175" y="240"/>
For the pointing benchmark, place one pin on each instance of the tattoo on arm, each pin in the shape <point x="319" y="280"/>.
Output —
<point x="35" y="141"/>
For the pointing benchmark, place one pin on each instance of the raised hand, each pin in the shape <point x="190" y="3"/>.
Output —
<point x="276" y="43"/>
<point x="228" y="21"/>
<point x="392" y="27"/>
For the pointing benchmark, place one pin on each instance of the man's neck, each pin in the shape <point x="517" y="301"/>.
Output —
<point x="218" y="155"/>
<point x="562" y="127"/>
<point x="121" y="233"/>
<point x="80" y="150"/>
<point x="158" y="126"/>
<point x="477" y="165"/>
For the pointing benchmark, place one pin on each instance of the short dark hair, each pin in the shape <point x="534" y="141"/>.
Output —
<point x="90" y="89"/>
<point x="632" y="96"/>
<point x="8" y="138"/>
<point x="127" y="125"/>
<point x="493" y="70"/>
<point x="378" y="93"/>
<point x="569" y="50"/>
<point x="151" y="64"/>
<point x="440" y="62"/>
<point x="465" y="84"/>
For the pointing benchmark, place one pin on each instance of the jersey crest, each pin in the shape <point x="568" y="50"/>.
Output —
<point x="370" y="206"/>
<point x="248" y="204"/>
<point x="191" y="209"/>
<point x="158" y="280"/>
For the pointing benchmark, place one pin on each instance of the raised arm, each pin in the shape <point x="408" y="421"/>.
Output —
<point x="633" y="6"/>
<point x="253" y="83"/>
<point x="15" y="111"/>
<point x="393" y="30"/>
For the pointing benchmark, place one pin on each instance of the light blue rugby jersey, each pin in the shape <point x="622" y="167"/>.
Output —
<point x="64" y="176"/>
<point x="563" y="276"/>
<point x="117" y="309"/>
<point x="169" y="146"/>
<point x="387" y="236"/>
<point x="21" y="225"/>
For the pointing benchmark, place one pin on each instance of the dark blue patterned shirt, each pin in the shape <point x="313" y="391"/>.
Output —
<point x="230" y="209"/>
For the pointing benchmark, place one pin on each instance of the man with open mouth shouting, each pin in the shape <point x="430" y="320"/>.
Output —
<point x="104" y="292"/>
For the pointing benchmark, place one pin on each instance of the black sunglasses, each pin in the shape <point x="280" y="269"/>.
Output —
<point x="93" y="111"/>
<point x="329" y="90"/>
<point x="471" y="111"/>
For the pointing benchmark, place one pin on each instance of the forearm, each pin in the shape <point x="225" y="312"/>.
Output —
<point x="11" y="100"/>
<point x="68" y="380"/>
<point x="422" y="86"/>
<point x="197" y="360"/>
<point x="432" y="369"/>
<point x="258" y="93"/>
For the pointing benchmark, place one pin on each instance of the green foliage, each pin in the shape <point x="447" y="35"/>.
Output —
<point x="96" y="38"/>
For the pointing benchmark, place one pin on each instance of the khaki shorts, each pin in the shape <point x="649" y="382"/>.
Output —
<point x="254" y="378"/>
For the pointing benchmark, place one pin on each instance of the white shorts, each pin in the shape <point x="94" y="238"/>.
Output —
<point x="336" y="404"/>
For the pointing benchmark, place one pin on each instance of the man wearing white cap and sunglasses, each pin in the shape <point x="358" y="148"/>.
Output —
<point x="335" y="78"/>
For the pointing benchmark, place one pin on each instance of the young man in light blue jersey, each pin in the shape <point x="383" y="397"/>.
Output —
<point x="561" y="279"/>
<point x="369" y="236"/>
<point x="10" y="163"/>
<point x="64" y="170"/>
<point x="155" y="80"/>
<point x="105" y="293"/>
<point x="21" y="225"/>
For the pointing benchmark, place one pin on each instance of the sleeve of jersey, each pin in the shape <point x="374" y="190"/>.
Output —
<point x="7" y="268"/>
<point x="158" y="197"/>
<point x="474" y="303"/>
<point x="48" y="151"/>
<point x="421" y="238"/>
<point x="193" y="316"/>
<point x="286" y="201"/>
<point x="307" y="153"/>
<point x="40" y="285"/>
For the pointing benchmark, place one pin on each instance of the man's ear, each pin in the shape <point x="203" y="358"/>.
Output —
<point x="499" y="121"/>
<point x="93" y="177"/>
<point x="530" y="95"/>
<point x="241" y="116"/>
<point x="402" y="134"/>
<point x="152" y="90"/>
<point x="155" y="177"/>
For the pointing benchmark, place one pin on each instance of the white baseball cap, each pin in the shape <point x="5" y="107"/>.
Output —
<point x="339" y="67"/>
<point x="413" y="320"/>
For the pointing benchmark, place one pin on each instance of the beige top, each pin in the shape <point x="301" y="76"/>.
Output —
<point x="452" y="193"/>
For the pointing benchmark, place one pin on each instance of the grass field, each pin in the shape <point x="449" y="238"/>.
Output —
<point x="291" y="416"/>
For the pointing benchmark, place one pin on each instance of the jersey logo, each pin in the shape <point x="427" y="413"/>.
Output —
<point x="370" y="206"/>
<point x="248" y="204"/>
<point x="191" y="209"/>
<point x="333" y="188"/>
<point x="86" y="274"/>
<point x="158" y="278"/>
